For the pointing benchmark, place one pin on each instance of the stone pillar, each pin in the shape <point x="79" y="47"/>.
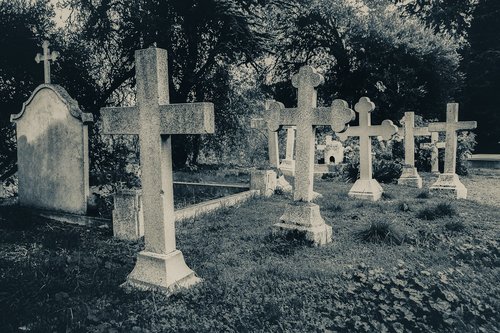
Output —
<point x="410" y="176"/>
<point x="263" y="181"/>
<point x="128" y="220"/>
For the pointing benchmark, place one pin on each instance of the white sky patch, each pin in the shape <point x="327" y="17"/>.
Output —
<point x="61" y="14"/>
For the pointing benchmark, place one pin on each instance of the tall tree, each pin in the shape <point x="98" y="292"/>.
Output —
<point x="203" y="38"/>
<point x="482" y="65"/>
<point x="366" y="48"/>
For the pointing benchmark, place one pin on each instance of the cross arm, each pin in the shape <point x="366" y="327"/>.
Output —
<point x="466" y="125"/>
<point x="386" y="130"/>
<point x="437" y="127"/>
<point x="188" y="118"/>
<point x="421" y="131"/>
<point x="258" y="123"/>
<point x="124" y="120"/>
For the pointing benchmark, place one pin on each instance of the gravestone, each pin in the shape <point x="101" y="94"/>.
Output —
<point x="333" y="152"/>
<point x="366" y="187"/>
<point x="128" y="218"/>
<point x="302" y="215"/>
<point x="448" y="182"/>
<point x="52" y="148"/>
<point x="434" y="147"/>
<point x="410" y="176"/>
<point x="160" y="265"/>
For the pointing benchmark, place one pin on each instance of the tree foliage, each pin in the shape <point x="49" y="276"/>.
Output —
<point x="366" y="49"/>
<point x="482" y="65"/>
<point x="23" y="24"/>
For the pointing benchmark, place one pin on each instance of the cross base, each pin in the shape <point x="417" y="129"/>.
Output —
<point x="162" y="272"/>
<point x="287" y="167"/>
<point x="366" y="189"/>
<point x="410" y="177"/>
<point x="304" y="218"/>
<point x="449" y="184"/>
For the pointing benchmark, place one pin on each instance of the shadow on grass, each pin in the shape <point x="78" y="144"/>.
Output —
<point x="288" y="243"/>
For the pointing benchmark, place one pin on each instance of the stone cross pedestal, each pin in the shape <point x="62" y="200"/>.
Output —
<point x="366" y="187"/>
<point x="434" y="146"/>
<point x="160" y="265"/>
<point x="46" y="57"/>
<point x="448" y="181"/>
<point x="302" y="215"/>
<point x="410" y="176"/>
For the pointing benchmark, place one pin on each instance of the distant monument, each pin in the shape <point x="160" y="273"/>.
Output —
<point x="52" y="147"/>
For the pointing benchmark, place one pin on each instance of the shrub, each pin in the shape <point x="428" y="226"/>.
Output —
<point x="439" y="211"/>
<point x="386" y="164"/>
<point x="381" y="232"/>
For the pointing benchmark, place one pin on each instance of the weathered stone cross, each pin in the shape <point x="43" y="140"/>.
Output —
<point x="272" y="137"/>
<point x="303" y="215"/>
<point x="46" y="58"/>
<point x="160" y="265"/>
<point x="410" y="176"/>
<point x="448" y="181"/>
<point x="366" y="187"/>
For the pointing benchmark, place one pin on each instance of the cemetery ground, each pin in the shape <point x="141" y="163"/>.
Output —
<point x="410" y="262"/>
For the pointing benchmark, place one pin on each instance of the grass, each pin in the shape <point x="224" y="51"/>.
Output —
<point x="380" y="232"/>
<point x="436" y="212"/>
<point x="65" y="278"/>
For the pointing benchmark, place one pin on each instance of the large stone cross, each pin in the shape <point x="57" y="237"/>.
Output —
<point x="448" y="181"/>
<point x="46" y="57"/>
<point x="366" y="187"/>
<point x="160" y="265"/>
<point x="410" y="176"/>
<point x="303" y="215"/>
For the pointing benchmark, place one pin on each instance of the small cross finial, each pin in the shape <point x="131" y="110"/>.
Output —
<point x="365" y="105"/>
<point x="341" y="115"/>
<point x="272" y="115"/>
<point x="307" y="75"/>
<point x="46" y="57"/>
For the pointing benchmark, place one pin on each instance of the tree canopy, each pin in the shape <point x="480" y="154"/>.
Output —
<point x="405" y="55"/>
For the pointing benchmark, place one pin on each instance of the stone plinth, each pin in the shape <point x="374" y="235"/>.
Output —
<point x="410" y="177"/>
<point x="305" y="218"/>
<point x="263" y="181"/>
<point x="161" y="271"/>
<point x="52" y="152"/>
<point x="128" y="220"/>
<point x="450" y="185"/>
<point x="368" y="189"/>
